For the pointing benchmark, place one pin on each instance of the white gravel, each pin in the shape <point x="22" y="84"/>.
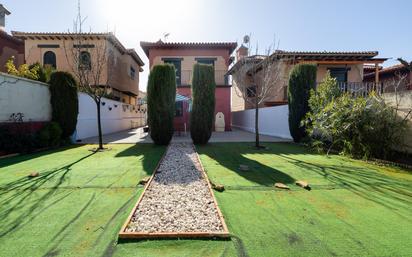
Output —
<point x="178" y="198"/>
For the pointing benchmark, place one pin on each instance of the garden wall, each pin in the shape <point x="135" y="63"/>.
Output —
<point x="405" y="104"/>
<point x="23" y="98"/>
<point x="273" y="121"/>
<point x="30" y="100"/>
<point x="115" y="116"/>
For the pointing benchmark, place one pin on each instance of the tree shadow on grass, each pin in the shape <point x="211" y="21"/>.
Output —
<point x="150" y="154"/>
<point x="367" y="182"/>
<point x="26" y="157"/>
<point x="62" y="233"/>
<point x="232" y="155"/>
<point x="16" y="197"/>
<point x="392" y="193"/>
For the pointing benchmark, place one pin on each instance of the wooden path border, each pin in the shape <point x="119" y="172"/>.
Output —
<point x="196" y="234"/>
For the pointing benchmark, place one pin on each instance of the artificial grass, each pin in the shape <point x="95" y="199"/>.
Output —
<point x="353" y="209"/>
<point x="78" y="204"/>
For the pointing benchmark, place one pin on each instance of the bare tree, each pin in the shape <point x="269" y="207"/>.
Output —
<point x="90" y="57"/>
<point x="408" y="66"/>
<point x="258" y="78"/>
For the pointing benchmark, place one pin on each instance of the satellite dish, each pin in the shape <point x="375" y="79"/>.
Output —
<point x="165" y="36"/>
<point x="246" y="39"/>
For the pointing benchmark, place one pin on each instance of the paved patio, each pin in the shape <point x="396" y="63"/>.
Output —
<point x="138" y="136"/>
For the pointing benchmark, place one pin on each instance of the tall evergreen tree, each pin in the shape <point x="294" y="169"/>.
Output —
<point x="302" y="79"/>
<point x="203" y="110"/>
<point x="161" y="94"/>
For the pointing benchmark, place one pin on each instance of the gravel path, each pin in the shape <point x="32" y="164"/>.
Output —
<point x="178" y="198"/>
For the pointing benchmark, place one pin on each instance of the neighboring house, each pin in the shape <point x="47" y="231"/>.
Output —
<point x="183" y="56"/>
<point x="121" y="72"/>
<point x="346" y="67"/>
<point x="9" y="45"/>
<point x="142" y="101"/>
<point x="389" y="75"/>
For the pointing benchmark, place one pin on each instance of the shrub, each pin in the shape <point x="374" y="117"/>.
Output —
<point x="362" y="127"/>
<point x="23" y="70"/>
<point x="64" y="102"/>
<point x="49" y="135"/>
<point x="203" y="110"/>
<point x="302" y="79"/>
<point x="16" y="138"/>
<point x="43" y="72"/>
<point x="161" y="94"/>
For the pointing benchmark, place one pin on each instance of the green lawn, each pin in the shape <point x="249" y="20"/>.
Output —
<point x="78" y="204"/>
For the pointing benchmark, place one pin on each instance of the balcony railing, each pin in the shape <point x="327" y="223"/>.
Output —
<point x="360" y="88"/>
<point x="220" y="77"/>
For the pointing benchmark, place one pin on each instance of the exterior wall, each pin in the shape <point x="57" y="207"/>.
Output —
<point x="36" y="107"/>
<point x="189" y="59"/>
<point x="355" y="73"/>
<point x="115" y="116"/>
<point x="9" y="47"/>
<point x="238" y="103"/>
<point x="222" y="92"/>
<point x="29" y="97"/>
<point x="273" y="121"/>
<point x="222" y="104"/>
<point x="405" y="104"/>
<point x="279" y="92"/>
<point x="116" y="75"/>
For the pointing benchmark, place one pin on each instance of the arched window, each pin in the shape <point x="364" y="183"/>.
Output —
<point x="85" y="60"/>
<point x="49" y="58"/>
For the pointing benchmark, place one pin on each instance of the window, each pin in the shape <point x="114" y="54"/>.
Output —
<point x="341" y="74"/>
<point x="179" y="109"/>
<point x="49" y="58"/>
<point x="177" y="62"/>
<point x="85" y="60"/>
<point x="251" y="91"/>
<point x="132" y="72"/>
<point x="209" y="61"/>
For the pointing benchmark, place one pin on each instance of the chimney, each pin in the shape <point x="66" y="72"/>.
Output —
<point x="242" y="52"/>
<point x="3" y="13"/>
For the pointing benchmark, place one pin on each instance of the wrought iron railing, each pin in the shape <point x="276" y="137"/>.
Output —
<point x="361" y="88"/>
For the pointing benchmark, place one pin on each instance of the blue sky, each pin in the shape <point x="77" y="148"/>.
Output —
<point x="345" y="25"/>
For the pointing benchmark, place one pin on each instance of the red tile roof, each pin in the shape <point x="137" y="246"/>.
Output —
<point x="329" y="56"/>
<point x="231" y="46"/>
<point x="3" y="34"/>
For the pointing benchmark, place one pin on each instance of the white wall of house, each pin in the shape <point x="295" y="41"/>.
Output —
<point x="28" y="97"/>
<point x="273" y="121"/>
<point x="115" y="116"/>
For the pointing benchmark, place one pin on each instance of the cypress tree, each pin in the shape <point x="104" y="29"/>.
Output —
<point x="64" y="102"/>
<point x="203" y="110"/>
<point x="302" y="79"/>
<point x="161" y="94"/>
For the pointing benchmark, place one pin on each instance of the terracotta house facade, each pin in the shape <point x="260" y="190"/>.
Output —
<point x="346" y="67"/>
<point x="120" y="72"/>
<point x="183" y="56"/>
